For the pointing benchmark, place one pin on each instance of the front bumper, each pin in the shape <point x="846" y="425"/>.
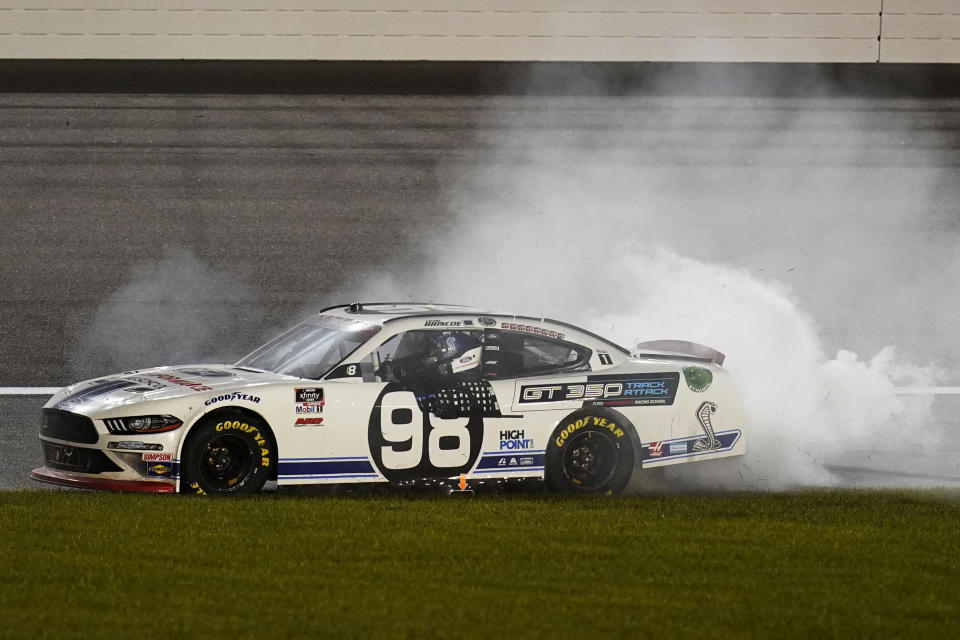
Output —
<point x="84" y="481"/>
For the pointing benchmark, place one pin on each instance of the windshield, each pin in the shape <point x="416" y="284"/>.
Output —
<point x="311" y="349"/>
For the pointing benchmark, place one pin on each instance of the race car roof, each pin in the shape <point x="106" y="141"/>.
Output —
<point x="383" y="312"/>
<point x="380" y="312"/>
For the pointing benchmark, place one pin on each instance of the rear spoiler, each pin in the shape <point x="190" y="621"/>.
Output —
<point x="678" y="350"/>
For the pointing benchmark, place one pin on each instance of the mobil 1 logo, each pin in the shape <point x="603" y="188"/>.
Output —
<point x="620" y="390"/>
<point x="407" y="443"/>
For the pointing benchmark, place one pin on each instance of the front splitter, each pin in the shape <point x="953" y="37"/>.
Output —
<point x="45" y="474"/>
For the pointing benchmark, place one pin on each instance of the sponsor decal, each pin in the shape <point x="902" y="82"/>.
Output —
<point x="231" y="397"/>
<point x="157" y="457"/>
<point x="310" y="408"/>
<point x="308" y="422"/>
<point x="698" y="378"/>
<point x="487" y="321"/>
<point x="642" y="389"/>
<point x="687" y="447"/>
<point x="526" y="461"/>
<point x="236" y="425"/>
<point x="183" y="382"/>
<point x="201" y="372"/>
<point x="507" y="463"/>
<point x="160" y="469"/>
<point x="513" y="439"/>
<point x="589" y="421"/>
<point x="311" y="395"/>
<point x="65" y="454"/>
<point x="527" y="328"/>
<point x="134" y="445"/>
<point x="145" y="385"/>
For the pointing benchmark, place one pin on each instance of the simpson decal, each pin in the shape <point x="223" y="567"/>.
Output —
<point x="641" y="389"/>
<point x="157" y="457"/>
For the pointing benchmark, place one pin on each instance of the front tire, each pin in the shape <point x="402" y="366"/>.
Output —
<point x="591" y="452"/>
<point x="231" y="454"/>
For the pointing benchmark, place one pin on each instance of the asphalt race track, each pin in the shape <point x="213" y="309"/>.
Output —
<point x="286" y="202"/>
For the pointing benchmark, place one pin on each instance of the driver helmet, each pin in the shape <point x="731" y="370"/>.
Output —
<point x="458" y="350"/>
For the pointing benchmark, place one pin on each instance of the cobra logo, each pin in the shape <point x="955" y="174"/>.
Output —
<point x="709" y="442"/>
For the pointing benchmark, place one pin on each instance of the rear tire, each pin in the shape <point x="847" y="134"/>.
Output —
<point x="591" y="451"/>
<point x="232" y="454"/>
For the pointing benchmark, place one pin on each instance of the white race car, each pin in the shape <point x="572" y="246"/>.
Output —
<point x="402" y="394"/>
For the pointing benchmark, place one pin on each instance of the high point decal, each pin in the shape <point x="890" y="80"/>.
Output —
<point x="514" y="440"/>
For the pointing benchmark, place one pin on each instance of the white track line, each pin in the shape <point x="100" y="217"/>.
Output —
<point x="925" y="391"/>
<point x="905" y="391"/>
<point x="28" y="391"/>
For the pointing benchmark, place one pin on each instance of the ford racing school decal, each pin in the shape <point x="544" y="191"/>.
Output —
<point x="636" y="389"/>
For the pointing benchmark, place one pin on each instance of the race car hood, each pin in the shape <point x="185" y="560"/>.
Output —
<point x="162" y="383"/>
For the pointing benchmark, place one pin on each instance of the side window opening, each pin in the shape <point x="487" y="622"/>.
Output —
<point x="509" y="354"/>
<point x="429" y="356"/>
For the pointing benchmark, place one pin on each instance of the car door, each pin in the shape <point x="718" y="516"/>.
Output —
<point x="423" y="425"/>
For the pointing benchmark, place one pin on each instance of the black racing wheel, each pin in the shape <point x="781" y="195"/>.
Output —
<point x="230" y="454"/>
<point x="591" y="451"/>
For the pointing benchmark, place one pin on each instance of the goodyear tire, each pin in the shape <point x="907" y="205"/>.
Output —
<point x="231" y="454"/>
<point x="591" y="451"/>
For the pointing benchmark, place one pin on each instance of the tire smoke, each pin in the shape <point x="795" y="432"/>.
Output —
<point x="584" y="227"/>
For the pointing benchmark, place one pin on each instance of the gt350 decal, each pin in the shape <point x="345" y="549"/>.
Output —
<point x="638" y="389"/>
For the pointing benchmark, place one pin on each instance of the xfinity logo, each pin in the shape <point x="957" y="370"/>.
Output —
<point x="309" y="395"/>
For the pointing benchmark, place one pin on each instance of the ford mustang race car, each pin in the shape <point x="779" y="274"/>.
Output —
<point x="400" y="394"/>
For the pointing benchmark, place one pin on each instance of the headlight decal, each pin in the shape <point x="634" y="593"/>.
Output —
<point x="142" y="424"/>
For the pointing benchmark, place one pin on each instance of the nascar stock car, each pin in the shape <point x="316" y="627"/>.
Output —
<point x="400" y="393"/>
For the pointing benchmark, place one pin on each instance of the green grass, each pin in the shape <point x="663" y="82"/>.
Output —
<point x="863" y="564"/>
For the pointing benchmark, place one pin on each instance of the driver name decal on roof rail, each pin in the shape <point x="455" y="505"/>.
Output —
<point x="639" y="389"/>
<point x="448" y="323"/>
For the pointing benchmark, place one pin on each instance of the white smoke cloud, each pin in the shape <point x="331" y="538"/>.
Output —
<point x="177" y="310"/>
<point x="585" y="227"/>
